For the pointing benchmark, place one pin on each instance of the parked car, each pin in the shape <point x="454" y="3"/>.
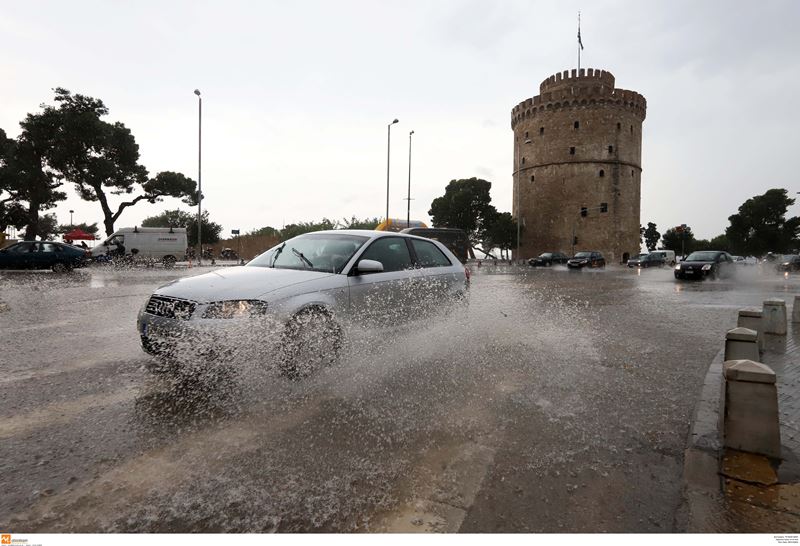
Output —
<point x="789" y="262"/>
<point x="59" y="257"/>
<point x="707" y="263"/>
<point x="653" y="259"/>
<point x="304" y="293"/>
<point x="547" y="259"/>
<point x="591" y="259"/>
<point x="668" y="255"/>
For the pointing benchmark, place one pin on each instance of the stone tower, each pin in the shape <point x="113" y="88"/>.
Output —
<point x="577" y="158"/>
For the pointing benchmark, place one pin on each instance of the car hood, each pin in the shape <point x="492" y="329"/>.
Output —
<point x="237" y="283"/>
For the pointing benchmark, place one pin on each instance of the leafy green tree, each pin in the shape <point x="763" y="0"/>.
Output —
<point x="27" y="185"/>
<point x="293" y="230"/>
<point x="357" y="223"/>
<point x="761" y="225"/>
<point x="266" y="230"/>
<point x="501" y="231"/>
<point x="102" y="158"/>
<point x="91" y="229"/>
<point x="466" y="204"/>
<point x="651" y="236"/>
<point x="179" y="218"/>
<point x="678" y="239"/>
<point x="47" y="227"/>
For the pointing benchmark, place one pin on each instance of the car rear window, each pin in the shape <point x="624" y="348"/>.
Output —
<point x="428" y="255"/>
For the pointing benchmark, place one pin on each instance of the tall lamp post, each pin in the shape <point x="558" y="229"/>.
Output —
<point x="70" y="218"/>
<point x="408" y="209"/>
<point x="388" y="154"/>
<point x="199" y="176"/>
<point x="519" y="167"/>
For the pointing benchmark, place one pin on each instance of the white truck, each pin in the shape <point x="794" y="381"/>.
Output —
<point x="166" y="245"/>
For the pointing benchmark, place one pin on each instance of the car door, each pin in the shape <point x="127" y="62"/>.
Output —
<point x="437" y="281"/>
<point x="46" y="255"/>
<point x="387" y="297"/>
<point x="19" y="256"/>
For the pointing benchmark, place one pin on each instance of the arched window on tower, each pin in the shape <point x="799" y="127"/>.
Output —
<point x="602" y="173"/>
<point x="619" y="126"/>
<point x="576" y="125"/>
<point x="532" y="177"/>
<point x="541" y="131"/>
<point x="610" y="149"/>
<point x="572" y="150"/>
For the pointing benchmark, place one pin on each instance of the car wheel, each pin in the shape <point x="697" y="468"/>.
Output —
<point x="311" y="340"/>
<point x="60" y="267"/>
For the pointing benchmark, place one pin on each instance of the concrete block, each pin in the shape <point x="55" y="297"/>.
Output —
<point x="774" y="317"/>
<point x="741" y="344"/>
<point x="751" y="421"/>
<point x="750" y="317"/>
<point x="796" y="309"/>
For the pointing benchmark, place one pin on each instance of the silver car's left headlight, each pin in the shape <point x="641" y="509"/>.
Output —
<point x="235" y="309"/>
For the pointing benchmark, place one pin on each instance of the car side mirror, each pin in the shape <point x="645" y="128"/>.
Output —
<point x="369" y="266"/>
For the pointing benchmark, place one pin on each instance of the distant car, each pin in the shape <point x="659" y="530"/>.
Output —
<point x="59" y="257"/>
<point x="591" y="259"/>
<point x="789" y="262"/>
<point x="668" y="255"/>
<point x="305" y="292"/>
<point x="705" y="264"/>
<point x="654" y="259"/>
<point x="547" y="259"/>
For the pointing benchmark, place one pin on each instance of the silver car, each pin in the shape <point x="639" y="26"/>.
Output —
<point x="301" y="295"/>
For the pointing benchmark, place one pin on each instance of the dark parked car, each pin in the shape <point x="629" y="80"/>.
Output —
<point x="548" y="258"/>
<point x="707" y="263"/>
<point x="789" y="262"/>
<point x="647" y="260"/>
<point x="59" y="257"/>
<point x="592" y="259"/>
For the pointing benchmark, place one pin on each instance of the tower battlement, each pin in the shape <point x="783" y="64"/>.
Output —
<point x="572" y="89"/>
<point x="587" y="77"/>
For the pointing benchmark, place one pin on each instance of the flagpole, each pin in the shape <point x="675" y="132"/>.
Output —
<point x="580" y="45"/>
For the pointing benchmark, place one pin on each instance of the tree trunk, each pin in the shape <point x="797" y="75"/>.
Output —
<point x="32" y="229"/>
<point x="108" y="216"/>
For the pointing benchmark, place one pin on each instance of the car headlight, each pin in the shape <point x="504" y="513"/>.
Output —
<point x="678" y="267"/>
<point x="235" y="309"/>
<point x="706" y="267"/>
<point x="785" y="263"/>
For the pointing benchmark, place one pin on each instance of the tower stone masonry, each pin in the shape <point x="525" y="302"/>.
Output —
<point x="577" y="166"/>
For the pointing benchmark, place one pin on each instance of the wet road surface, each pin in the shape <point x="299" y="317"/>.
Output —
<point x="557" y="401"/>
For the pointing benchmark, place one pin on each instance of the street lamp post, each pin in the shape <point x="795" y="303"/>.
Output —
<point x="408" y="209"/>
<point x="388" y="154"/>
<point x="70" y="218"/>
<point x="519" y="167"/>
<point x="199" y="176"/>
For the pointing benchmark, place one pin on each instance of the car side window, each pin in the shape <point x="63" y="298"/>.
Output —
<point x="428" y="255"/>
<point x="392" y="252"/>
<point x="22" y="248"/>
<point x="47" y="247"/>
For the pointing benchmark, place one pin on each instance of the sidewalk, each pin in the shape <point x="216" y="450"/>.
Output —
<point x="730" y="491"/>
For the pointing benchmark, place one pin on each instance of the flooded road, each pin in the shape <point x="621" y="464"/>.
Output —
<point x="556" y="401"/>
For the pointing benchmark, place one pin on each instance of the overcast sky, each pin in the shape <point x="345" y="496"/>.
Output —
<point x="297" y="96"/>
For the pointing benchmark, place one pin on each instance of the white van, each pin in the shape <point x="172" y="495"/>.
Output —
<point x="668" y="255"/>
<point x="167" y="245"/>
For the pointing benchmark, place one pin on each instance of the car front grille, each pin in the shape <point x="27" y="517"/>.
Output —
<point x="164" y="306"/>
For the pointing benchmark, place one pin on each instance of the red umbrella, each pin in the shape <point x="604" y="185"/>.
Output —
<point x="78" y="234"/>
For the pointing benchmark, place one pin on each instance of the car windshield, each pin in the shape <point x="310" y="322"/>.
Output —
<point x="583" y="255"/>
<point x="546" y="255"/>
<point x="326" y="252"/>
<point x="702" y="257"/>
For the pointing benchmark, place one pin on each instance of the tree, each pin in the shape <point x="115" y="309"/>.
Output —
<point x="464" y="205"/>
<point x="47" y="227"/>
<point x="680" y="239"/>
<point x="269" y="231"/>
<point x="651" y="236"/>
<point x="356" y="223"/>
<point x="178" y="218"/>
<point x="102" y="158"/>
<point x="761" y="226"/>
<point x="501" y="231"/>
<point x="91" y="229"/>
<point x="293" y="230"/>
<point x="27" y="185"/>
